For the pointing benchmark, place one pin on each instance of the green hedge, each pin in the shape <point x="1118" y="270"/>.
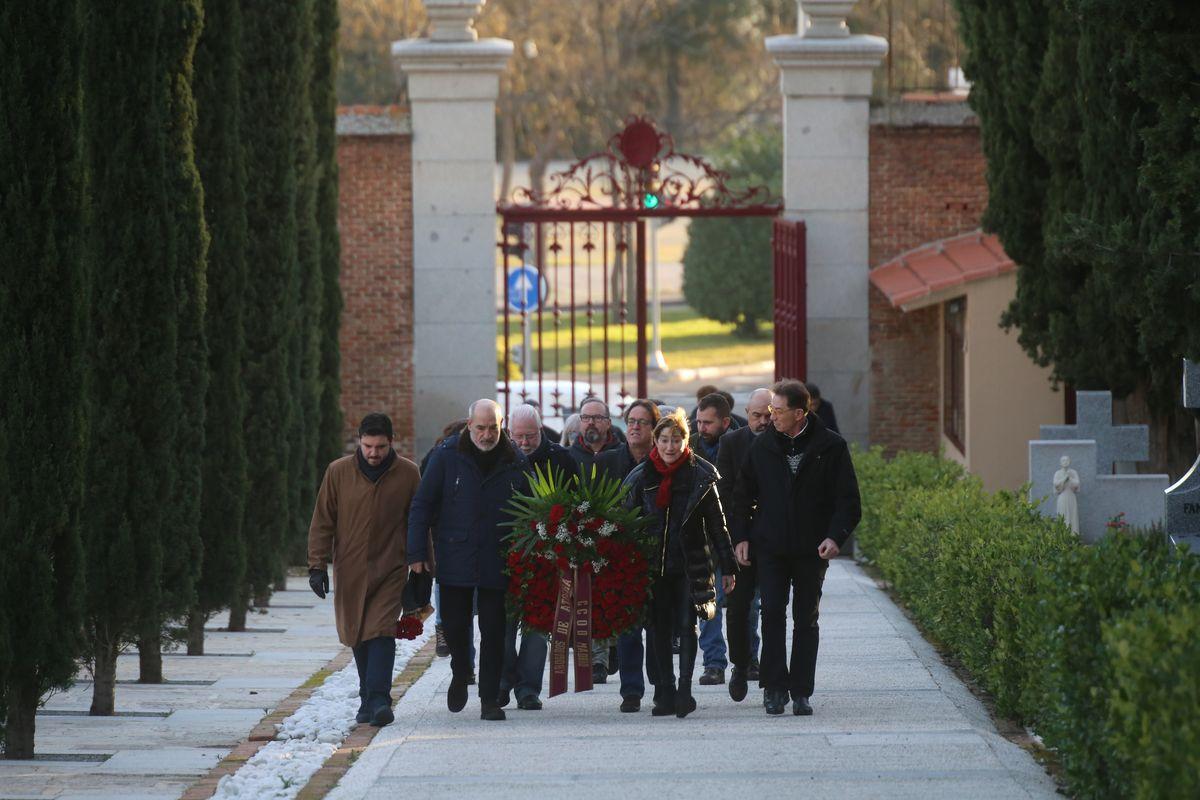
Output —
<point x="1094" y="647"/>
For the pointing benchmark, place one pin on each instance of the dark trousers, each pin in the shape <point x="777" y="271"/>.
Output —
<point x="671" y="609"/>
<point x="737" y="615"/>
<point x="630" y="655"/>
<point x="804" y="576"/>
<point x="374" y="659"/>
<point x="523" y="669"/>
<point x="456" y="623"/>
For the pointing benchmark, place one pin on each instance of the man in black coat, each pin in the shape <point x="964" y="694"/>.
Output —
<point x="741" y="614"/>
<point x="595" y="434"/>
<point x="796" y="502"/>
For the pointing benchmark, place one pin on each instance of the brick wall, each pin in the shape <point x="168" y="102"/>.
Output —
<point x="375" y="223"/>
<point x="927" y="183"/>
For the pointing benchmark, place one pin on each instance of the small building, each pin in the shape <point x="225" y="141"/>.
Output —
<point x="990" y="398"/>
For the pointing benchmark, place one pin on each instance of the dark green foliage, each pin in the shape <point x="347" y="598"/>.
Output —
<point x="727" y="266"/>
<point x="305" y="348"/>
<point x="188" y="245"/>
<point x="271" y="34"/>
<point x="217" y="86"/>
<point x="1088" y="112"/>
<point x="324" y="100"/>
<point x="133" y="264"/>
<point x="1094" y="646"/>
<point x="41" y="328"/>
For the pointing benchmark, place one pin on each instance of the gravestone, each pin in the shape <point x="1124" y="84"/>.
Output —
<point x="1183" y="499"/>
<point x="1102" y="495"/>
<point x="1093" y="414"/>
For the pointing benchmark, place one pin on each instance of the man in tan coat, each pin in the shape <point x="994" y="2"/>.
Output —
<point x="361" y="524"/>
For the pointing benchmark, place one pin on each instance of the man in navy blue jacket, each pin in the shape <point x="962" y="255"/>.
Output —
<point x="463" y="498"/>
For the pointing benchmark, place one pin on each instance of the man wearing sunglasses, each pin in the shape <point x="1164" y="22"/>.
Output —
<point x="795" y="503"/>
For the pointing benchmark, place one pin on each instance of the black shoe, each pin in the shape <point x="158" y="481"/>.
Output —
<point x="529" y="702"/>
<point x="456" y="698"/>
<point x="382" y="716"/>
<point x="737" y="685"/>
<point x="492" y="713"/>
<point x="471" y="680"/>
<point x="363" y="716"/>
<point x="504" y="699"/>
<point x="775" y="701"/>
<point x="599" y="674"/>
<point x="663" y="708"/>
<point x="801" y="708"/>
<point x="631" y="705"/>
<point x="442" y="648"/>
<point x="684" y="702"/>
<point x="712" y="677"/>
<point x="752" y="671"/>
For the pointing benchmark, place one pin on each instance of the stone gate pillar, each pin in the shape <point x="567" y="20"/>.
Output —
<point x="453" y="80"/>
<point x="825" y="77"/>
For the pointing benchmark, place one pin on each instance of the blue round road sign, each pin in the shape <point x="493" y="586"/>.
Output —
<point x="523" y="285"/>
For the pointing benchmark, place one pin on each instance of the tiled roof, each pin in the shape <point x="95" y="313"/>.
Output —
<point x="933" y="268"/>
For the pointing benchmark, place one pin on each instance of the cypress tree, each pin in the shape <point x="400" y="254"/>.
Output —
<point x="324" y="97"/>
<point x="306" y="330"/>
<point x="270" y="53"/>
<point x="42" y="315"/>
<point x="188" y="244"/>
<point x="134" y="403"/>
<point x="219" y="157"/>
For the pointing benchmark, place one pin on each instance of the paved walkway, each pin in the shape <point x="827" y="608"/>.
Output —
<point x="166" y="736"/>
<point x="891" y="722"/>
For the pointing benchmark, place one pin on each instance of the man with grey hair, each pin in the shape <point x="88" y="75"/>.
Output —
<point x="522" y="673"/>
<point x="463" y="498"/>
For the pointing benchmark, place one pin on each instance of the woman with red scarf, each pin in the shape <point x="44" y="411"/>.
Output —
<point x="677" y="492"/>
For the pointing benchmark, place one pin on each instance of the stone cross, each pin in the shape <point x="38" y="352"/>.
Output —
<point x="1093" y="410"/>
<point x="1183" y="499"/>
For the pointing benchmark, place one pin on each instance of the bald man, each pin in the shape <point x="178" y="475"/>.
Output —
<point x="463" y="498"/>
<point x="740" y="608"/>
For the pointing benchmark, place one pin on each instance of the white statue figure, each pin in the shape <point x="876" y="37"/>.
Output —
<point x="1066" y="485"/>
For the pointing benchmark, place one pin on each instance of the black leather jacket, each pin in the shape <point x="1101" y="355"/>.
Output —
<point x="691" y="531"/>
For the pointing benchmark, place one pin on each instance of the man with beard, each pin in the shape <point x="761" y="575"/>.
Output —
<point x="464" y="498"/>
<point x="640" y="418"/>
<point x="712" y="421"/>
<point x="595" y="434"/>
<point x="795" y="503"/>
<point x="740" y="605"/>
<point x="359" y="524"/>
<point x="523" y="670"/>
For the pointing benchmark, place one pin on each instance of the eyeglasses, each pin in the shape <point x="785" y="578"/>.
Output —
<point x="592" y="417"/>
<point x="772" y="410"/>
<point x="634" y="422"/>
<point x="525" y="437"/>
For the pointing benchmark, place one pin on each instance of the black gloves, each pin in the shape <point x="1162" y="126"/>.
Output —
<point x="318" y="580"/>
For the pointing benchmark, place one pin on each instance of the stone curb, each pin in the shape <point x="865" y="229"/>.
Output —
<point x="262" y="733"/>
<point x="327" y="777"/>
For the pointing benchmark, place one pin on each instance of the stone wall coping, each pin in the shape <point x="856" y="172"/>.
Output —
<point x="934" y="111"/>
<point x="373" y="121"/>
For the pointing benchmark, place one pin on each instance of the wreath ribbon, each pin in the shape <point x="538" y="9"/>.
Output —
<point x="572" y="630"/>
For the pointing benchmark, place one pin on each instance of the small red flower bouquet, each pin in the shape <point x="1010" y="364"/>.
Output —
<point x="415" y="604"/>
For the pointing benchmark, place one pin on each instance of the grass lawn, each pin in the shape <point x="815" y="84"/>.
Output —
<point x="688" y="341"/>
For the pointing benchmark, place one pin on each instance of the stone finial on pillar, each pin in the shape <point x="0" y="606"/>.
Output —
<point x="824" y="19"/>
<point x="453" y="20"/>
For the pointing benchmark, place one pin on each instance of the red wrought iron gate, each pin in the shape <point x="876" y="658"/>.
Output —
<point x="791" y="299"/>
<point x="572" y="277"/>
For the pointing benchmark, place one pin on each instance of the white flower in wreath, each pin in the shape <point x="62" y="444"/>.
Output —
<point x="584" y="506"/>
<point x="541" y="531"/>
<point x="587" y="542"/>
<point x="599" y="564"/>
<point x="607" y="529"/>
<point x="572" y="563"/>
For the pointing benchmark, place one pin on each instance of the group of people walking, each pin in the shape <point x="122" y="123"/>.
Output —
<point x="744" y="512"/>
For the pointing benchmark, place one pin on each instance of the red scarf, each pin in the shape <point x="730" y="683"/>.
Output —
<point x="663" y="498"/>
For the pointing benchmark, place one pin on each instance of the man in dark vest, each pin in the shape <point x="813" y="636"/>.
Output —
<point x="795" y="503"/>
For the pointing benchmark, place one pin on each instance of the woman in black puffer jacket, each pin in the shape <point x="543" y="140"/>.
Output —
<point x="677" y="491"/>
